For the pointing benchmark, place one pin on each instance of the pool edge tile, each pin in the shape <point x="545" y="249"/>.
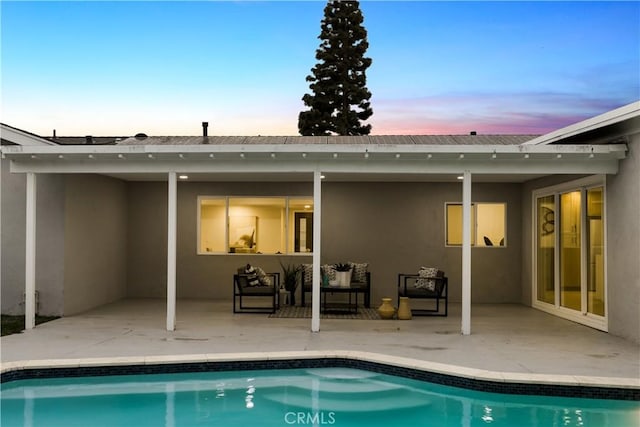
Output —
<point x="178" y="358"/>
<point x="608" y="382"/>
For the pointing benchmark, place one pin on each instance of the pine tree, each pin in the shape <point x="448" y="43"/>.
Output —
<point x="340" y="99"/>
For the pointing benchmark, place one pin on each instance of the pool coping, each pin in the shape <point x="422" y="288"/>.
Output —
<point x="460" y="376"/>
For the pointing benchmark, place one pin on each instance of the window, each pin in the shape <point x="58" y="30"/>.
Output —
<point x="488" y="224"/>
<point x="265" y="225"/>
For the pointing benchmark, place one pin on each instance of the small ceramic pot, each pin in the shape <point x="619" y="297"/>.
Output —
<point x="386" y="310"/>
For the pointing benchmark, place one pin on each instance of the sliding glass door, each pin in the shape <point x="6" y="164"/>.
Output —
<point x="570" y="262"/>
<point x="546" y="249"/>
<point x="595" y="252"/>
<point x="569" y="252"/>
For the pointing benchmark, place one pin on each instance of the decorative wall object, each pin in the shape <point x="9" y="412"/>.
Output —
<point x="242" y="234"/>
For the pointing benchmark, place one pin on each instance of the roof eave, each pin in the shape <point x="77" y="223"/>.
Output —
<point x="22" y="137"/>
<point x="308" y="149"/>
<point x="609" y="118"/>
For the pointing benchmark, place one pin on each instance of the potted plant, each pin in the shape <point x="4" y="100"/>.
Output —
<point x="343" y="274"/>
<point x="290" y="280"/>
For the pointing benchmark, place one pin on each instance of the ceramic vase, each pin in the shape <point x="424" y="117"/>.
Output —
<point x="386" y="310"/>
<point x="343" y="278"/>
<point x="404" y="310"/>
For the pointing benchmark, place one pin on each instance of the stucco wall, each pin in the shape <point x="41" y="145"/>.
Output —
<point x="623" y="252"/>
<point x="13" y="243"/>
<point x="396" y="227"/>
<point x="198" y="276"/>
<point x="95" y="248"/>
<point x="50" y="247"/>
<point x="49" y="242"/>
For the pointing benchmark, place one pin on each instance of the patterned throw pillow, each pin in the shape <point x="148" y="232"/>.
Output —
<point x="425" y="280"/>
<point x="252" y="275"/>
<point x="359" y="271"/>
<point x="263" y="278"/>
<point x="307" y="273"/>
<point x="329" y="271"/>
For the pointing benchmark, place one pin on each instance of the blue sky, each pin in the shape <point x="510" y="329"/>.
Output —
<point x="119" y="68"/>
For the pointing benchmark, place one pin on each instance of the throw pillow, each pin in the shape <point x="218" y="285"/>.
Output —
<point x="329" y="271"/>
<point x="425" y="279"/>
<point x="252" y="276"/>
<point x="359" y="271"/>
<point x="307" y="273"/>
<point x="263" y="278"/>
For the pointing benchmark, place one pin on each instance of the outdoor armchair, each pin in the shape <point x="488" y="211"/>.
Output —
<point x="423" y="286"/>
<point x="261" y="291"/>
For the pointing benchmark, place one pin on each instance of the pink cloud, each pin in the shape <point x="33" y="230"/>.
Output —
<point x="524" y="113"/>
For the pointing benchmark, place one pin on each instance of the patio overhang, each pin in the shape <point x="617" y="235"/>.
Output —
<point x="592" y="147"/>
<point x="304" y="162"/>
<point x="344" y="162"/>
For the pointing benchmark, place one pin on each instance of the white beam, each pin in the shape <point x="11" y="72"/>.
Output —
<point x="579" y="163"/>
<point x="30" y="255"/>
<point x="312" y="150"/>
<point x="317" y="216"/>
<point x="466" y="253"/>
<point x="172" y="210"/>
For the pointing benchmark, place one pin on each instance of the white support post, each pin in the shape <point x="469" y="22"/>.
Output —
<point x="30" y="255"/>
<point x="315" y="287"/>
<point x="466" y="253"/>
<point x="172" y="212"/>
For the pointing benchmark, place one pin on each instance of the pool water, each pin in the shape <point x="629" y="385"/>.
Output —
<point x="296" y="397"/>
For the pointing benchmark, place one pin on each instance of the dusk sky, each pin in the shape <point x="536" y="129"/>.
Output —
<point x="162" y="68"/>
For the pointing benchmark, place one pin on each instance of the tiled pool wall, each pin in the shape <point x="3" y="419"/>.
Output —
<point x="591" y="392"/>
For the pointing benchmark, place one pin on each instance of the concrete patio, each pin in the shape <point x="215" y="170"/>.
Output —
<point x="505" y="338"/>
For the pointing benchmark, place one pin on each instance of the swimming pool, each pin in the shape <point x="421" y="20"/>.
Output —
<point x="331" y="396"/>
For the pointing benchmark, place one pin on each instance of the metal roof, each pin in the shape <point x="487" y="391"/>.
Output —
<point x="333" y="140"/>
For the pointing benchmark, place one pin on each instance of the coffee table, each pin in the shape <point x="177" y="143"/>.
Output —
<point x="350" y="307"/>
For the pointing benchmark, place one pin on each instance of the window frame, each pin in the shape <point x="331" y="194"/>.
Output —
<point x="583" y="185"/>
<point x="287" y="227"/>
<point x="474" y="225"/>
